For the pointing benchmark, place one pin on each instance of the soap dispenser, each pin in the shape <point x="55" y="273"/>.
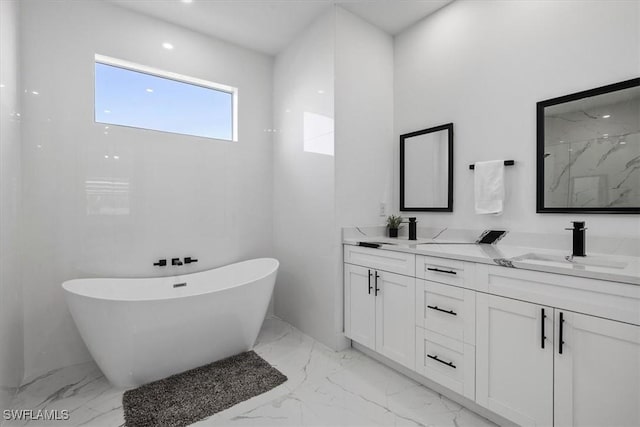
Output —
<point x="413" y="228"/>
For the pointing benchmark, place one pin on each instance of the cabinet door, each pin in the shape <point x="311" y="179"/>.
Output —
<point x="597" y="376"/>
<point x="514" y="374"/>
<point x="359" y="304"/>
<point x="396" y="317"/>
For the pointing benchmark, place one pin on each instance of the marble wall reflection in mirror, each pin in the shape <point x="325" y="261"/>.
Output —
<point x="589" y="151"/>
<point x="426" y="169"/>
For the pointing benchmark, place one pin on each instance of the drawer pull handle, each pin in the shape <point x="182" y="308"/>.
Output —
<point x="441" y="271"/>
<point x="543" y="316"/>
<point x="434" y="357"/>
<point x="561" y="337"/>
<point x="435" y="307"/>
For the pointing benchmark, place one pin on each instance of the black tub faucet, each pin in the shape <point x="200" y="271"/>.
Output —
<point x="578" y="238"/>
<point x="176" y="261"/>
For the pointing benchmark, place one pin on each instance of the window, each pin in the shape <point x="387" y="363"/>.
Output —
<point x="133" y="95"/>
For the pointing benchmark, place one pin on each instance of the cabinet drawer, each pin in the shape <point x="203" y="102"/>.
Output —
<point x="394" y="262"/>
<point x="446" y="310"/>
<point x="449" y="271"/>
<point x="446" y="361"/>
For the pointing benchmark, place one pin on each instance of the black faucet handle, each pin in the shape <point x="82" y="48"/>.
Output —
<point x="161" y="263"/>
<point x="176" y="261"/>
<point x="577" y="225"/>
<point x="189" y="260"/>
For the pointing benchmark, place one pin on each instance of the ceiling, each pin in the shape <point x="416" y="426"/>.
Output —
<point x="269" y="25"/>
<point x="393" y="16"/>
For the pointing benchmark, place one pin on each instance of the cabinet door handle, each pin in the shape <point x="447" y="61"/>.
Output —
<point x="543" y="316"/>
<point x="435" y="307"/>
<point x="441" y="271"/>
<point x="434" y="357"/>
<point x="370" y="287"/>
<point x="560" y="338"/>
<point x="376" y="283"/>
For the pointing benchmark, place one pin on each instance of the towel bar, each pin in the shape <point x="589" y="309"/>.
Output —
<point x="506" y="163"/>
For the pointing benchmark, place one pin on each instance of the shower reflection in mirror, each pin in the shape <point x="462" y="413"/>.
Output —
<point x="589" y="151"/>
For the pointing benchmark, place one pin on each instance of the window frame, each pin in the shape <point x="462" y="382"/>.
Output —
<point x="181" y="78"/>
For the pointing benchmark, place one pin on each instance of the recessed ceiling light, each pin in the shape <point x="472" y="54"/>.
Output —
<point x="1" y="85"/>
<point x="116" y="157"/>
<point x="35" y="92"/>
<point x="150" y="90"/>
<point x="107" y="111"/>
<point x="320" y="91"/>
<point x="187" y="1"/>
<point x="606" y="116"/>
<point x="167" y="46"/>
<point x="106" y="157"/>
<point x="623" y="142"/>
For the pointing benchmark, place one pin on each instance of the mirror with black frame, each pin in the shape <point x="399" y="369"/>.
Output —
<point x="426" y="170"/>
<point x="588" y="151"/>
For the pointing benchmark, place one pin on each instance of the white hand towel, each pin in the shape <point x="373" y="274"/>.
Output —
<point x="489" y="187"/>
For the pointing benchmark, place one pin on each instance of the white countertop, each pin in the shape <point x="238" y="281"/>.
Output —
<point x="617" y="268"/>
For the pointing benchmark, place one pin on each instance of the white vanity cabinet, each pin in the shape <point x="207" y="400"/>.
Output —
<point x="597" y="376"/>
<point x="359" y="305"/>
<point x="379" y="304"/>
<point x="537" y="348"/>
<point x="540" y="365"/>
<point x="514" y="371"/>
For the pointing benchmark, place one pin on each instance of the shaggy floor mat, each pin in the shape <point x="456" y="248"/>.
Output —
<point x="190" y="396"/>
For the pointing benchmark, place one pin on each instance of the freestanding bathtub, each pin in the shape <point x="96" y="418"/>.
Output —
<point x="141" y="330"/>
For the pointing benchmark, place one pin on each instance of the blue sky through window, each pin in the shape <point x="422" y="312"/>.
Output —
<point x="131" y="98"/>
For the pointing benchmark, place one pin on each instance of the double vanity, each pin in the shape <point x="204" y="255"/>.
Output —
<point x="526" y="333"/>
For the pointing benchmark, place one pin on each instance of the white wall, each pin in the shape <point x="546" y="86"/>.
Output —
<point x="305" y="234"/>
<point x="187" y="196"/>
<point x="317" y="194"/>
<point x="483" y="66"/>
<point x="364" y="120"/>
<point x="11" y="319"/>
<point x="363" y="126"/>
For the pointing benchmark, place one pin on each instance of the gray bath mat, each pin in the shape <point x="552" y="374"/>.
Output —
<point x="193" y="395"/>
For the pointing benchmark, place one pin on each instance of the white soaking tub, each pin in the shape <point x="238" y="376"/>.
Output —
<point x="141" y="330"/>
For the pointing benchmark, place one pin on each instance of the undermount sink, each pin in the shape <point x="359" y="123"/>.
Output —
<point x="592" y="261"/>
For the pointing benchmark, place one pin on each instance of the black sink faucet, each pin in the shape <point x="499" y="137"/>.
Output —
<point x="413" y="228"/>
<point x="176" y="261"/>
<point x="413" y="231"/>
<point x="578" y="238"/>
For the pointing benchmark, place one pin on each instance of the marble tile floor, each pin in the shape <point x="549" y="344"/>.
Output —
<point x="325" y="388"/>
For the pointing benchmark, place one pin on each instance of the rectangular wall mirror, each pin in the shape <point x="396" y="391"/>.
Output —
<point x="426" y="170"/>
<point x="588" y="151"/>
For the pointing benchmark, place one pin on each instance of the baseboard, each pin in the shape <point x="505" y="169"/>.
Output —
<point x="467" y="403"/>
